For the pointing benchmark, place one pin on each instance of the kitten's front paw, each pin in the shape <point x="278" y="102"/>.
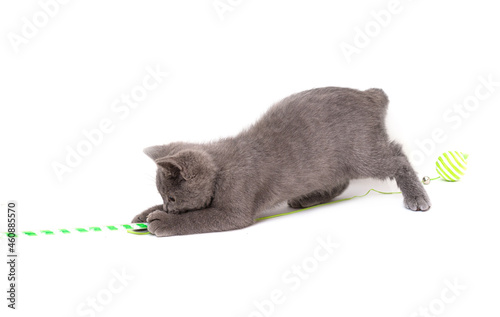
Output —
<point x="143" y="216"/>
<point x="139" y="218"/>
<point x="158" y="223"/>
<point x="417" y="203"/>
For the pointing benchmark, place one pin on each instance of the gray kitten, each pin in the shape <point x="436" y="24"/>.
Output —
<point x="305" y="150"/>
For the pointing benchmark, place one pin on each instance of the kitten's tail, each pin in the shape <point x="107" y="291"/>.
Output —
<point x="378" y="96"/>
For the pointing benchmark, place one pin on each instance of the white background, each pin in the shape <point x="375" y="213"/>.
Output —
<point x="224" y="71"/>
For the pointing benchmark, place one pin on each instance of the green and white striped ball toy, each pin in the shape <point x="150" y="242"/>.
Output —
<point x="451" y="165"/>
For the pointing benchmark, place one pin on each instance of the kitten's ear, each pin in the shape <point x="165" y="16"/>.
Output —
<point x="169" y="163"/>
<point x="155" y="152"/>
<point x="189" y="164"/>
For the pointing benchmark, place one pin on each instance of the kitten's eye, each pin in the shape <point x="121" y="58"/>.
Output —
<point x="171" y="199"/>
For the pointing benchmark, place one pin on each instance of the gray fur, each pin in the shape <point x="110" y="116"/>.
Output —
<point x="304" y="150"/>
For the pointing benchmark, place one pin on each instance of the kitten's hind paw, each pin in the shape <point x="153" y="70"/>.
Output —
<point x="417" y="203"/>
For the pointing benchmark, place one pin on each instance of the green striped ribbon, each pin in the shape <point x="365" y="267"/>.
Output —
<point x="127" y="227"/>
<point x="451" y="165"/>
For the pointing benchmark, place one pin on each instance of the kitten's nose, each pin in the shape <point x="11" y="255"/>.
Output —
<point x="164" y="206"/>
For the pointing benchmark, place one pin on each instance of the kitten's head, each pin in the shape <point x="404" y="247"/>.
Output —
<point x="185" y="180"/>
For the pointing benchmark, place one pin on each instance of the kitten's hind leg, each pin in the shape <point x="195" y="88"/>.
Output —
<point x="317" y="197"/>
<point x="414" y="194"/>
